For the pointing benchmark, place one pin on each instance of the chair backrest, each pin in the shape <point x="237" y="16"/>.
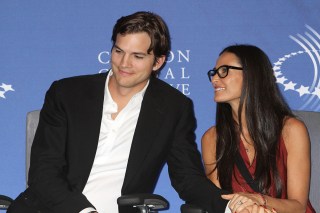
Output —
<point x="312" y="121"/>
<point x="32" y="124"/>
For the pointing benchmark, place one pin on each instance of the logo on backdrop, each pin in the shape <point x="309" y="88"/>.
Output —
<point x="306" y="63"/>
<point x="5" y="88"/>
<point x="174" y="73"/>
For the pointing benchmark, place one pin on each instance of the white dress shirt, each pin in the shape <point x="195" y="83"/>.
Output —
<point x="110" y="163"/>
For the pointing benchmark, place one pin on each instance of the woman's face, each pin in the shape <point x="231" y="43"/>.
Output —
<point x="228" y="89"/>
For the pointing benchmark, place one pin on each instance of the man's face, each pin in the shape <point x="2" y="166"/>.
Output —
<point x="131" y="63"/>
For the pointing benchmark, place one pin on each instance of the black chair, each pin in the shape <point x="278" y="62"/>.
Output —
<point x="153" y="203"/>
<point x="5" y="202"/>
<point x="144" y="202"/>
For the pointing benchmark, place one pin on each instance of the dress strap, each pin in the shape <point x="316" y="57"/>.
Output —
<point x="245" y="173"/>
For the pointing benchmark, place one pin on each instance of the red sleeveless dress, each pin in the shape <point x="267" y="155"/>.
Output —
<point x="239" y="184"/>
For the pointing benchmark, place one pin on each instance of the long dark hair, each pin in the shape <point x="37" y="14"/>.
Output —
<point x="265" y="110"/>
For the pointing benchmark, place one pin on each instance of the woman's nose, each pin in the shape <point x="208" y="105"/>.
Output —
<point x="215" y="78"/>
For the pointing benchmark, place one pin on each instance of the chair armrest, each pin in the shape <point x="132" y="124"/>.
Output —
<point x="5" y="202"/>
<point x="153" y="201"/>
<point x="187" y="208"/>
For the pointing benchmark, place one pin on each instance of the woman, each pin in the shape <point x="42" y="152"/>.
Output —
<point x="253" y="119"/>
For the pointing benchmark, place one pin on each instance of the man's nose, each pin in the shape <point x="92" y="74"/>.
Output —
<point x="125" y="61"/>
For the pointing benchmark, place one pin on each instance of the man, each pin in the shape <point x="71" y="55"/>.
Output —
<point x="105" y="135"/>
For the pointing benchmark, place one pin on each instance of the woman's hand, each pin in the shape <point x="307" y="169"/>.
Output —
<point x="257" y="209"/>
<point x="246" y="203"/>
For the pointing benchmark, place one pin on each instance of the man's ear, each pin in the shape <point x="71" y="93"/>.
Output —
<point x="159" y="62"/>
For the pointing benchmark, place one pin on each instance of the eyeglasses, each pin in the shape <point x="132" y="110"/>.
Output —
<point x="222" y="71"/>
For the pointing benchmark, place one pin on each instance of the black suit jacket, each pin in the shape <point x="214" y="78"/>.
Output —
<point x="67" y="136"/>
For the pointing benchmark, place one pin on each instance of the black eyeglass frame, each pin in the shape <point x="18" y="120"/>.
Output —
<point x="212" y="72"/>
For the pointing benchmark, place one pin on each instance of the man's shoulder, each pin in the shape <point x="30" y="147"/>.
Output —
<point x="79" y="85"/>
<point x="80" y="81"/>
<point x="83" y="78"/>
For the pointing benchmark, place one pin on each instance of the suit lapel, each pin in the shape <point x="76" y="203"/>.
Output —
<point x="149" y="121"/>
<point x="91" y="113"/>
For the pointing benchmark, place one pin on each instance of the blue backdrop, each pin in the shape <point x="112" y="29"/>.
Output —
<point x="41" y="41"/>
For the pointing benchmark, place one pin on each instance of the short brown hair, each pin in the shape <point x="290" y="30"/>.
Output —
<point x="147" y="22"/>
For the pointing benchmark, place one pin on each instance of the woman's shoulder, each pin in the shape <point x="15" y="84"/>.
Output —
<point x="208" y="143"/>
<point x="208" y="140"/>
<point x="209" y="135"/>
<point x="293" y="125"/>
<point x="294" y="132"/>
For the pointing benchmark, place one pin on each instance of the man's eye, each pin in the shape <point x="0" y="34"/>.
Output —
<point x="139" y="56"/>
